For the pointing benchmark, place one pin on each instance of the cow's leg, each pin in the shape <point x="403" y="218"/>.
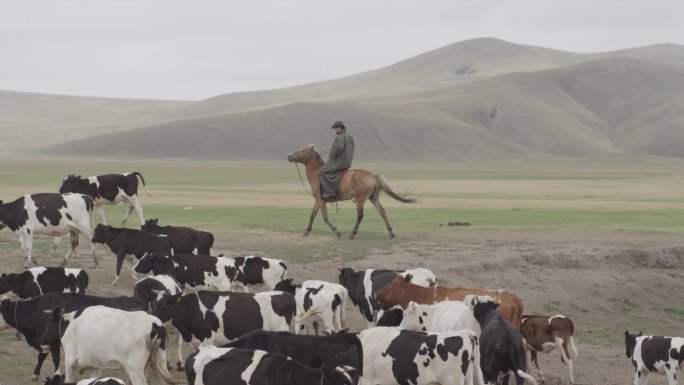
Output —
<point x="672" y="373"/>
<point x="129" y="210"/>
<point x="337" y="318"/>
<point x="562" y="346"/>
<point x="100" y="209"/>
<point x="55" y="243"/>
<point x="41" y="357"/>
<point x="179" y="350"/>
<point x="135" y="203"/>
<point x="314" y="211"/>
<point x="85" y="230"/>
<point x="324" y="213"/>
<point x="54" y="352"/>
<point x="533" y="358"/>
<point x="359" y="217"/>
<point x="641" y="377"/>
<point x="119" y="261"/>
<point x="69" y="363"/>
<point x="129" y="266"/>
<point x="375" y="200"/>
<point x="26" y="240"/>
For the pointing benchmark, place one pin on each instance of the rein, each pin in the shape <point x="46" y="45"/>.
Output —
<point x="301" y="179"/>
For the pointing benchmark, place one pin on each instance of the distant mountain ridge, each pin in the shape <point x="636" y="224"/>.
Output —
<point x="477" y="99"/>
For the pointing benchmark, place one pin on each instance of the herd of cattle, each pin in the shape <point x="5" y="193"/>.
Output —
<point x="419" y="332"/>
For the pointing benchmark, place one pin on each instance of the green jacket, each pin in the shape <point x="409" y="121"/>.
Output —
<point x="340" y="157"/>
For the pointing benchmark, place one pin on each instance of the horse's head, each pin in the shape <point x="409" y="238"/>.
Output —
<point x="304" y="155"/>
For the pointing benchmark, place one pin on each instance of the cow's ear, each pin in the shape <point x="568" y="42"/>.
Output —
<point x="408" y="278"/>
<point x="640" y="333"/>
<point x="626" y="333"/>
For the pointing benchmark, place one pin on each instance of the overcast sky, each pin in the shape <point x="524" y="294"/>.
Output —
<point x="195" y="49"/>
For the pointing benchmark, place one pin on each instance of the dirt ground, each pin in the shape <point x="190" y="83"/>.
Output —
<point x="604" y="281"/>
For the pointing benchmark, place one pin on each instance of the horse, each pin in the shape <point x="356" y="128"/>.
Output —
<point x="356" y="184"/>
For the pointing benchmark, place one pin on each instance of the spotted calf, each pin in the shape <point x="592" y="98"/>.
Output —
<point x="654" y="354"/>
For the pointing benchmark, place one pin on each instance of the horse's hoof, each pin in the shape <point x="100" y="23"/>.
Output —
<point x="339" y="234"/>
<point x="352" y="236"/>
<point x="64" y="262"/>
<point x="392" y="235"/>
<point x="34" y="377"/>
<point x="305" y="235"/>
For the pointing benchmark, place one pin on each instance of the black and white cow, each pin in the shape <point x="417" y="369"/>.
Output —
<point x="210" y="317"/>
<point x="362" y="286"/>
<point x="151" y="289"/>
<point x="219" y="366"/>
<point x="49" y="214"/>
<point x="185" y="240"/>
<point x="100" y="337"/>
<point x="323" y="298"/>
<point x="251" y="270"/>
<point x="109" y="189"/>
<point x="392" y="355"/>
<point x="40" y="280"/>
<point x="340" y="349"/>
<point x="205" y="272"/>
<point x="59" y="380"/>
<point x="29" y="319"/>
<point x="502" y="346"/>
<point x="440" y="317"/>
<point x="125" y="242"/>
<point x="654" y="354"/>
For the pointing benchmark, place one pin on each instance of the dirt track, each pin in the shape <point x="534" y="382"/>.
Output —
<point x="604" y="281"/>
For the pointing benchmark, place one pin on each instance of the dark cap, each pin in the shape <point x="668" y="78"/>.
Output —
<point x="339" y="124"/>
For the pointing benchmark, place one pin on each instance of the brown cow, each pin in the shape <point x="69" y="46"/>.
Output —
<point x="401" y="291"/>
<point x="544" y="334"/>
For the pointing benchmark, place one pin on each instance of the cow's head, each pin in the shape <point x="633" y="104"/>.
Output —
<point x="482" y="306"/>
<point x="54" y="326"/>
<point x="57" y="379"/>
<point x="345" y="276"/>
<point x="337" y="376"/>
<point x="150" y="225"/>
<point x="414" y="317"/>
<point x="396" y="292"/>
<point x="630" y="343"/>
<point x="73" y="184"/>
<point x="164" y="308"/>
<point x="286" y="285"/>
<point x="149" y="261"/>
<point x="102" y="233"/>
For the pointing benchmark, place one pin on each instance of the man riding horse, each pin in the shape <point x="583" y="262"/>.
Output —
<point x="339" y="158"/>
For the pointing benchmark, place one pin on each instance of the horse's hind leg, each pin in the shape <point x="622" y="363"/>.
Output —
<point x="314" y="211"/>
<point x="375" y="200"/>
<point x="324" y="212"/>
<point x="359" y="217"/>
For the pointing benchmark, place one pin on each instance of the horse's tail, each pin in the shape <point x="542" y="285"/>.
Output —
<point x="382" y="185"/>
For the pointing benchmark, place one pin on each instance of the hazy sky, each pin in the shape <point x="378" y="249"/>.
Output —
<point x="198" y="49"/>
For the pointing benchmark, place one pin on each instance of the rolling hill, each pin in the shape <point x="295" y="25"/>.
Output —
<point x="477" y="99"/>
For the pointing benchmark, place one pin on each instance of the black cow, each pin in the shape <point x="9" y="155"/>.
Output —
<point x="108" y="189"/>
<point x="49" y="214"/>
<point x="59" y="380"/>
<point x="29" y="319"/>
<point x="220" y="317"/>
<point x="218" y="366"/>
<point x="40" y="280"/>
<point x="342" y="349"/>
<point x="185" y="240"/>
<point x="501" y="346"/>
<point x="124" y="242"/>
<point x="654" y="354"/>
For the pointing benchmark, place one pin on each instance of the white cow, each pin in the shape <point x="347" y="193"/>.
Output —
<point x="392" y="355"/>
<point x="440" y="317"/>
<point x="49" y="214"/>
<point x="104" y="338"/>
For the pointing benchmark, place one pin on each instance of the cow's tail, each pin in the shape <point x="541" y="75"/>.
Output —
<point x="157" y="349"/>
<point x="309" y="314"/>
<point x="517" y="367"/>
<point x="143" y="181"/>
<point x="382" y="185"/>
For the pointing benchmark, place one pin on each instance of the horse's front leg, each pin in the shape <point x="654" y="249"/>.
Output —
<point x="324" y="212"/>
<point x="314" y="211"/>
